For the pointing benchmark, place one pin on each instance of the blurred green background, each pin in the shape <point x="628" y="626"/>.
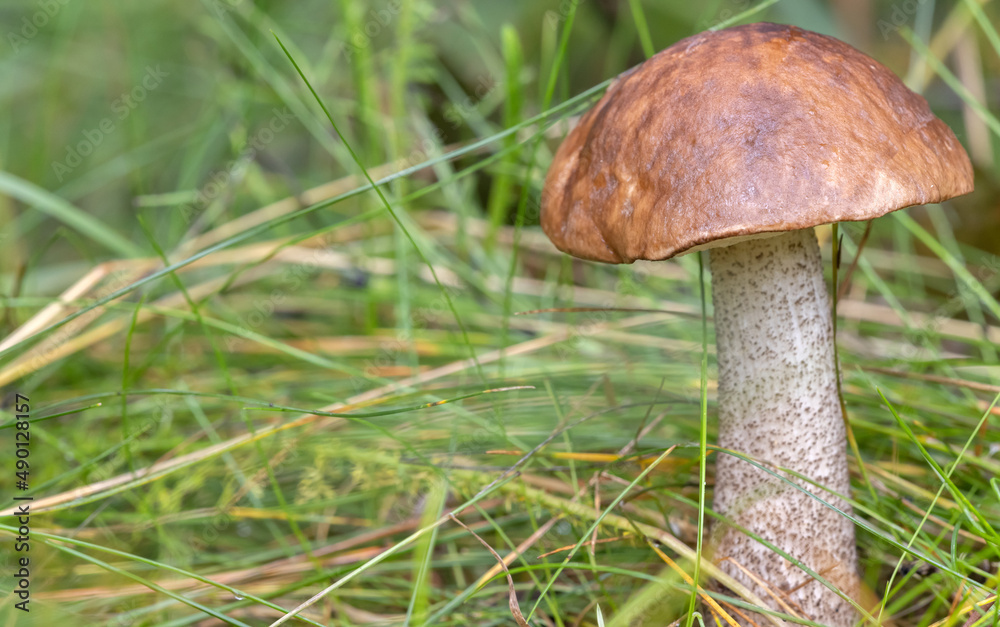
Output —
<point x="139" y="136"/>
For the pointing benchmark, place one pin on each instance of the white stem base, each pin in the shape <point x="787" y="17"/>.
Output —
<point x="778" y="404"/>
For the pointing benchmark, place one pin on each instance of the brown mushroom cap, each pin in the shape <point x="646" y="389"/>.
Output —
<point x="752" y="129"/>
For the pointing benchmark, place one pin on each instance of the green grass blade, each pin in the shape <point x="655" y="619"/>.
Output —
<point x="388" y="207"/>
<point x="739" y="17"/>
<point x="965" y="277"/>
<point x="639" y="17"/>
<point x="56" y="207"/>
<point x="952" y="81"/>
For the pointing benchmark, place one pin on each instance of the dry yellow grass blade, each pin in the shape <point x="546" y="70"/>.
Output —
<point x="281" y="208"/>
<point x="623" y="524"/>
<point x="316" y="251"/>
<point x="132" y="269"/>
<point x="778" y="597"/>
<point x="62" y="344"/>
<point x="128" y="272"/>
<point x="712" y="603"/>
<point x="72" y="337"/>
<point x="150" y="472"/>
<point x="908" y="487"/>
<point x="569" y="547"/>
<point x="517" y="552"/>
<point x="969" y="68"/>
<point x="870" y="312"/>
<point x="933" y="378"/>
<point x="976" y="611"/>
<point x="264" y="580"/>
<point x="944" y="41"/>
<point x="515" y="609"/>
<point x="348" y="551"/>
<point x="944" y="524"/>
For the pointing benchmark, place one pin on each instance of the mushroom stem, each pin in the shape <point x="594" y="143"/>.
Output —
<point x="778" y="405"/>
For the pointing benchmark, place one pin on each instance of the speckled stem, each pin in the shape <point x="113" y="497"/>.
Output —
<point x="778" y="404"/>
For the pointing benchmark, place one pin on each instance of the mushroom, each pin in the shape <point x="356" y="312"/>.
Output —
<point x="740" y="141"/>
